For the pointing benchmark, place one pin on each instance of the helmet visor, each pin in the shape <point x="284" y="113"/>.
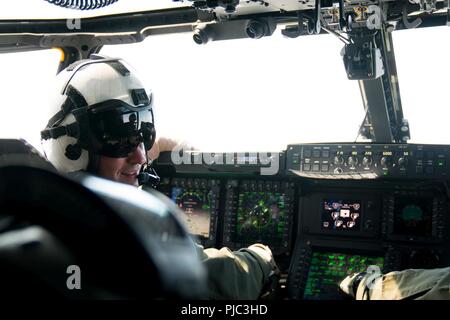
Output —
<point x="117" y="128"/>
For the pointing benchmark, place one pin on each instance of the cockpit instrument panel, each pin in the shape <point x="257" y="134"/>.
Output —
<point x="415" y="216"/>
<point x="327" y="269"/>
<point x="317" y="270"/>
<point x="196" y="204"/>
<point x="199" y="199"/>
<point x="260" y="215"/>
<point x="258" y="211"/>
<point x="341" y="214"/>
<point x="368" y="161"/>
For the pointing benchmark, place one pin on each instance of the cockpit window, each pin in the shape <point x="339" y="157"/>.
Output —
<point x="42" y="9"/>
<point x="423" y="68"/>
<point x="27" y="80"/>
<point x="248" y="95"/>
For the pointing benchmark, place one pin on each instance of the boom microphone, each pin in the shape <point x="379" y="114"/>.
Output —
<point x="148" y="176"/>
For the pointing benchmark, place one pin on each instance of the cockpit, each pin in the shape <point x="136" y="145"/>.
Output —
<point x="318" y="128"/>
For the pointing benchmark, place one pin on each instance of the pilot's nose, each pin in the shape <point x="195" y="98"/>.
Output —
<point x="138" y="155"/>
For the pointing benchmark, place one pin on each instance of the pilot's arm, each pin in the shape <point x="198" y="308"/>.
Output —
<point x="163" y="144"/>
<point x="420" y="284"/>
<point x="239" y="275"/>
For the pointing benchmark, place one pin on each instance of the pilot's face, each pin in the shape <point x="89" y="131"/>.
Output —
<point x="123" y="170"/>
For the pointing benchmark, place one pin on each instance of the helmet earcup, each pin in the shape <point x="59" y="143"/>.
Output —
<point x="149" y="136"/>
<point x="73" y="151"/>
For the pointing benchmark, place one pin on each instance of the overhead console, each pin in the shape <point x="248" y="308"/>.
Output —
<point x="368" y="161"/>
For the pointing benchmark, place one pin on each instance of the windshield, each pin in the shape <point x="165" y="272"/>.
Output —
<point x="423" y="68"/>
<point x="26" y="83"/>
<point x="41" y="9"/>
<point x="248" y="95"/>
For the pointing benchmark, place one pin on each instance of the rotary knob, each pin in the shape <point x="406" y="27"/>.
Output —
<point x="402" y="162"/>
<point x="352" y="161"/>
<point x="338" y="160"/>
<point x="385" y="162"/>
<point x="367" y="161"/>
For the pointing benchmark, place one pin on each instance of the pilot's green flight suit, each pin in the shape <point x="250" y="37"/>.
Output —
<point x="420" y="284"/>
<point x="237" y="275"/>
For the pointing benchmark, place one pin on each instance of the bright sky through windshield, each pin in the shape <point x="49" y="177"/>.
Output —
<point x="423" y="67"/>
<point x="40" y="9"/>
<point x="247" y="95"/>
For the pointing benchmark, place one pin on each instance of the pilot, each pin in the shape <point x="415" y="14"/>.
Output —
<point x="420" y="284"/>
<point x="102" y="123"/>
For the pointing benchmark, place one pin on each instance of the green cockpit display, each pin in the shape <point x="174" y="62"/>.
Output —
<point x="261" y="216"/>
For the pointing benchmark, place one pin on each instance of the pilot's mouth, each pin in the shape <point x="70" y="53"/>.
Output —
<point x="129" y="174"/>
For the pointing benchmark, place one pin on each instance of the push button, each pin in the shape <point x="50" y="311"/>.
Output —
<point x="419" y="154"/>
<point x="307" y="153"/>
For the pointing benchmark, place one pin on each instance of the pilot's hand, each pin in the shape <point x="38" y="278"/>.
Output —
<point x="270" y="289"/>
<point x="166" y="144"/>
<point x="349" y="285"/>
<point x="359" y="286"/>
<point x="265" y="252"/>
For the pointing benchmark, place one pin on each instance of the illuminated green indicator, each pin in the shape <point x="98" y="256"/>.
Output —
<point x="190" y="197"/>
<point x="328" y="269"/>
<point x="261" y="216"/>
<point x="412" y="212"/>
<point x="440" y="163"/>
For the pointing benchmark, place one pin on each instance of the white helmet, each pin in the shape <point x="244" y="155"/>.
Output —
<point x="101" y="109"/>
